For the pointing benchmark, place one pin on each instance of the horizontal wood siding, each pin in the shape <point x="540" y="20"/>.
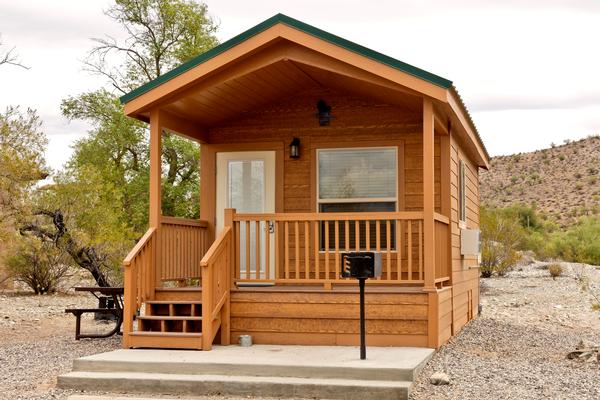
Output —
<point x="357" y="122"/>
<point x="329" y="318"/>
<point x="465" y="271"/>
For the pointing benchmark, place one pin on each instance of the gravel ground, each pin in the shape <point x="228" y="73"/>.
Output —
<point x="515" y="350"/>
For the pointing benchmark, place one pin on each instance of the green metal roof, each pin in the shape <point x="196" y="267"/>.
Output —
<point x="299" y="25"/>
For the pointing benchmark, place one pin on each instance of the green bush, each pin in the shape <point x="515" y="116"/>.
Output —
<point x="38" y="264"/>
<point x="500" y="238"/>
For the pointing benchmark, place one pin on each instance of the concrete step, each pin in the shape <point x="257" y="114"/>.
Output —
<point x="324" y="362"/>
<point x="347" y="389"/>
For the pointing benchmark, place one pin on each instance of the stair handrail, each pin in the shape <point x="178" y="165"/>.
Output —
<point x="138" y="279"/>
<point x="215" y="269"/>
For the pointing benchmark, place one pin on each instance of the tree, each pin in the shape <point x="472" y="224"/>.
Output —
<point x="9" y="57"/>
<point x="98" y="206"/>
<point x="162" y="34"/>
<point x="22" y="159"/>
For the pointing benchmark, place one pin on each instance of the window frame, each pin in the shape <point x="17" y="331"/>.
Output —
<point x="462" y="198"/>
<point x="395" y="199"/>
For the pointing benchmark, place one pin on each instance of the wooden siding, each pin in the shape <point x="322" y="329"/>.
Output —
<point x="328" y="317"/>
<point x="357" y="122"/>
<point x="465" y="271"/>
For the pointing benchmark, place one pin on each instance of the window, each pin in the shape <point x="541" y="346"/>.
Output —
<point x="461" y="192"/>
<point x="356" y="180"/>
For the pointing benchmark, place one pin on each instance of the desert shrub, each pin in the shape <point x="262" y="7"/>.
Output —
<point x="38" y="264"/>
<point x="500" y="237"/>
<point x="580" y="243"/>
<point x="561" y="157"/>
<point x="555" y="270"/>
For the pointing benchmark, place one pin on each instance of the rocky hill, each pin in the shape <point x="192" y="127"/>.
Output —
<point x="562" y="181"/>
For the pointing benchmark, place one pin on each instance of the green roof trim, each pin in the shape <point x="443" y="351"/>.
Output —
<point x="294" y="23"/>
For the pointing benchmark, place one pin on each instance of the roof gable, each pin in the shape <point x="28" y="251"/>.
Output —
<point x="301" y="26"/>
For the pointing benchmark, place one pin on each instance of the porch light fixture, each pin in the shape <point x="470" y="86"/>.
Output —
<point x="323" y="113"/>
<point x="295" y="148"/>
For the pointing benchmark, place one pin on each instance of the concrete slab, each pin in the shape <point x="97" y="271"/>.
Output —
<point x="236" y="385"/>
<point x="382" y="363"/>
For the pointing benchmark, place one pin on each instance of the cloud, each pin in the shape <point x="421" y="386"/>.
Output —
<point x="503" y="103"/>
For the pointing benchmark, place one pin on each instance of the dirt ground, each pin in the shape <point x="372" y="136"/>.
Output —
<point x="516" y="349"/>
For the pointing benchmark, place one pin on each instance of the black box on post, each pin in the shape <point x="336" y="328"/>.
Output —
<point x="361" y="265"/>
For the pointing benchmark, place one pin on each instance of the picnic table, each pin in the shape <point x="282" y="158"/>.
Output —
<point x="117" y="295"/>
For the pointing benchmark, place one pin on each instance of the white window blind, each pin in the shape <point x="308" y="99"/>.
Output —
<point x="354" y="174"/>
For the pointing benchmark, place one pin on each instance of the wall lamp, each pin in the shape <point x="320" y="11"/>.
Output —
<point x="323" y="113"/>
<point x="295" y="148"/>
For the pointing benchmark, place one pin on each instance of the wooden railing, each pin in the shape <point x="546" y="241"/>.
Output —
<point x="183" y="244"/>
<point x="140" y="267"/>
<point x="442" y="249"/>
<point x="304" y="248"/>
<point x="216" y="280"/>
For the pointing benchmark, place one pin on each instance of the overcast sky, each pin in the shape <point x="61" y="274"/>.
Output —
<point x="530" y="74"/>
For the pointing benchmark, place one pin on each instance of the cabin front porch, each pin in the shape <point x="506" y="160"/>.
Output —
<point x="276" y="277"/>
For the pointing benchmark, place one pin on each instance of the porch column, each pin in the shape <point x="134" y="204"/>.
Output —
<point x="155" y="211"/>
<point x="428" y="195"/>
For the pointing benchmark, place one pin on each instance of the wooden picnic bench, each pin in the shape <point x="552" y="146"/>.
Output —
<point x="117" y="295"/>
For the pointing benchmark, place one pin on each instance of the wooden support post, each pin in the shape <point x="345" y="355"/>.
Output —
<point x="445" y="196"/>
<point x="433" y="320"/>
<point x="155" y="212"/>
<point x="428" y="195"/>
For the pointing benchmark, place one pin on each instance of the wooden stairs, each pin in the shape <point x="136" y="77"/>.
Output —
<point x="173" y="324"/>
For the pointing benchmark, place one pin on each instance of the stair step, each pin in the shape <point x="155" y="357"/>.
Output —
<point x="174" y="335"/>
<point x="169" y="318"/>
<point x="162" y="302"/>
<point x="235" y="385"/>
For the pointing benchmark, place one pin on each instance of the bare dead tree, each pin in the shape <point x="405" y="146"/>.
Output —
<point x="10" y="57"/>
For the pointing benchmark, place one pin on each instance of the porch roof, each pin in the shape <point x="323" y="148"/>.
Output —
<point x="291" y="48"/>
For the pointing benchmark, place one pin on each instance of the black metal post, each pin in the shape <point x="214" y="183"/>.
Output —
<point x="363" y="348"/>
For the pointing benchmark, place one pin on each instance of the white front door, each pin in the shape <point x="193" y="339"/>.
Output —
<point x="246" y="182"/>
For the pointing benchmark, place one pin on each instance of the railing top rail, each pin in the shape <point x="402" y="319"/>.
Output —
<point x="215" y="246"/>
<point x="441" y="218"/>
<point x="184" y="221"/>
<point x="139" y="246"/>
<point x="335" y="216"/>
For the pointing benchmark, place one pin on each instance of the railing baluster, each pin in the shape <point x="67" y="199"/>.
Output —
<point x="409" y="250"/>
<point x="257" y="234"/>
<point x="277" y="250"/>
<point x="347" y="235"/>
<point x="248" y="249"/>
<point x="267" y="250"/>
<point x="326" y="250"/>
<point x="297" y="249"/>
<point x="286" y="250"/>
<point x="378" y="238"/>
<point x="357" y="234"/>
<point x="316" y="239"/>
<point x="238" y="244"/>
<point x="399" y="246"/>
<point x="337" y="248"/>
<point x="368" y="234"/>
<point x="420" y="224"/>
<point x="388" y="246"/>
<point x="306" y="250"/>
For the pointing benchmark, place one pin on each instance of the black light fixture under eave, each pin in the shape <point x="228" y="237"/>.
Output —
<point x="295" y="148"/>
<point x="323" y="113"/>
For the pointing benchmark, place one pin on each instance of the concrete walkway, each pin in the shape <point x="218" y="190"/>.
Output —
<point x="259" y="370"/>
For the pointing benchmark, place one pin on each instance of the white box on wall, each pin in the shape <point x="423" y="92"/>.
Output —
<point x="469" y="242"/>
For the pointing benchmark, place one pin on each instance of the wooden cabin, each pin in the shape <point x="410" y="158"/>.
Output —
<point x="311" y="146"/>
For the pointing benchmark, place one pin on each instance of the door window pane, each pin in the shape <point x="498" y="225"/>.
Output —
<point x="246" y="184"/>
